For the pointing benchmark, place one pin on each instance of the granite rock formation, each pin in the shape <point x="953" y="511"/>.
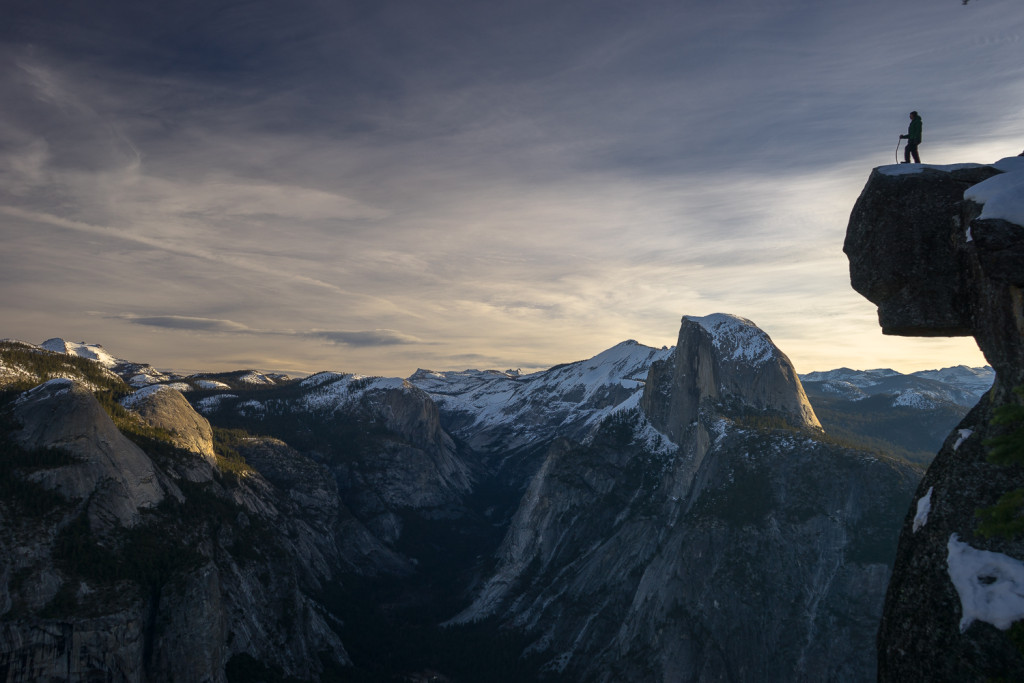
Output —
<point x="935" y="265"/>
<point x="165" y="408"/>
<point x="746" y="549"/>
<point x="131" y="566"/>
<point x="721" y="359"/>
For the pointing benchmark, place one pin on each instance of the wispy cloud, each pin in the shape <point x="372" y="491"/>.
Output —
<point x="371" y="338"/>
<point x="388" y="185"/>
<point x="355" y="338"/>
<point x="182" y="322"/>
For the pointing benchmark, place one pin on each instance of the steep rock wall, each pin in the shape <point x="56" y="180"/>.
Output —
<point x="723" y="359"/>
<point x="934" y="266"/>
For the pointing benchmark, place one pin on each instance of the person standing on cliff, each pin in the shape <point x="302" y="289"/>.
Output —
<point x="913" y="138"/>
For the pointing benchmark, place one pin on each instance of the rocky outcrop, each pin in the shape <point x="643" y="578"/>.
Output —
<point x="935" y="264"/>
<point x="137" y="569"/>
<point x="116" y="477"/>
<point x="906" y="246"/>
<point x="166" y="409"/>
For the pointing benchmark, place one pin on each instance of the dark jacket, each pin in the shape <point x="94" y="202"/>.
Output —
<point x="914" y="132"/>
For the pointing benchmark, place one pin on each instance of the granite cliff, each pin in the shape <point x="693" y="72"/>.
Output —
<point x="938" y="250"/>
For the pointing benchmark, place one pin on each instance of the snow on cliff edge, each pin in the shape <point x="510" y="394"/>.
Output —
<point x="736" y="338"/>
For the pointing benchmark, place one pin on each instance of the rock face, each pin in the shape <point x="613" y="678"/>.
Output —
<point x="736" y="553"/>
<point x="907" y="247"/>
<point x="936" y="265"/>
<point x="113" y="474"/>
<point x="381" y="439"/>
<point x="723" y="358"/>
<point x="129" y="570"/>
<point x="165" y="408"/>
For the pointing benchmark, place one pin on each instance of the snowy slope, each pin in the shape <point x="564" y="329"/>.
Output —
<point x="568" y="399"/>
<point x="135" y="374"/>
<point x="91" y="351"/>
<point x="975" y="381"/>
<point x="335" y="392"/>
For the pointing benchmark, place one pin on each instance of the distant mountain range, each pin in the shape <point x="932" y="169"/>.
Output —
<point x="925" y="389"/>
<point x="908" y="416"/>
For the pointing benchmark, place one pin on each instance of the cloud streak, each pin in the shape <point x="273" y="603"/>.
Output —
<point x="354" y="338"/>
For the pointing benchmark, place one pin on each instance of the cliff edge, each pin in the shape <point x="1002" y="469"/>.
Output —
<point x="940" y="251"/>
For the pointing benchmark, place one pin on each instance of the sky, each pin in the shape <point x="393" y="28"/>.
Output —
<point x="380" y="186"/>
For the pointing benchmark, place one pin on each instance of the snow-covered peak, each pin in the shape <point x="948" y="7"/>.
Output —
<point x="319" y="378"/>
<point x="736" y="338"/>
<point x="458" y="381"/>
<point x="254" y="377"/>
<point x="210" y="384"/>
<point x="91" y="351"/>
<point x="627" y="361"/>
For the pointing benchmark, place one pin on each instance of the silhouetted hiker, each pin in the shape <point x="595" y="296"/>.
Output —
<point x="913" y="138"/>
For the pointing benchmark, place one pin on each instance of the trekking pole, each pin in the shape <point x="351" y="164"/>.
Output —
<point x="898" y="149"/>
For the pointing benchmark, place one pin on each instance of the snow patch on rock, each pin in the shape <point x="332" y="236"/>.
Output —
<point x="990" y="585"/>
<point x="911" y="169"/>
<point x="964" y="435"/>
<point x="57" y="385"/>
<point x="736" y="338"/>
<point x="210" y="384"/>
<point x="211" y="404"/>
<point x="924" y="507"/>
<point x="1002" y="195"/>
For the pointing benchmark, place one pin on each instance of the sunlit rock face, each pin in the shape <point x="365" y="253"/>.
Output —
<point x="114" y="476"/>
<point x="723" y="359"/>
<point x="165" y="408"/>
<point x="925" y="248"/>
<point x="744" y="549"/>
<point x="139" y="569"/>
